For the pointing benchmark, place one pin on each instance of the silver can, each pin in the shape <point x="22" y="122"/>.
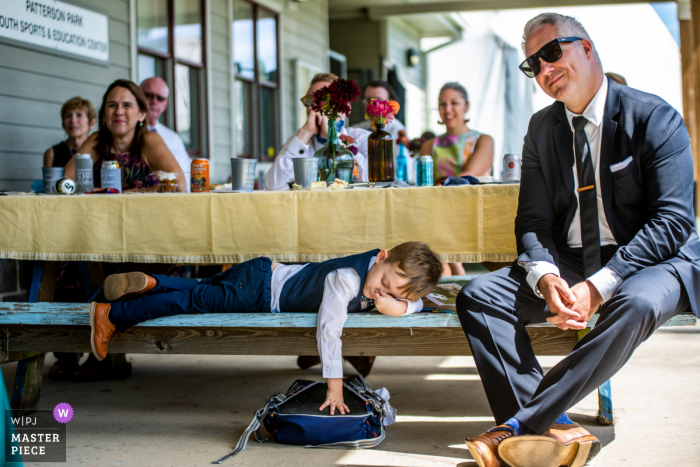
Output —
<point x="111" y="175"/>
<point x="511" y="168"/>
<point x="424" y="171"/>
<point x="83" y="173"/>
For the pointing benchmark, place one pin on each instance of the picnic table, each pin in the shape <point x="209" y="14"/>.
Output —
<point x="463" y="224"/>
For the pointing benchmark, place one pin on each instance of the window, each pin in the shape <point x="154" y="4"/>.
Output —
<point x="170" y="45"/>
<point x="256" y="87"/>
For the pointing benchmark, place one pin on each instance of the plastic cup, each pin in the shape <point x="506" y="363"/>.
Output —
<point x="243" y="173"/>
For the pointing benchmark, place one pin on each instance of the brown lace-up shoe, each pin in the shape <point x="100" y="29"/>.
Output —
<point x="101" y="330"/>
<point x="568" y="445"/>
<point x="119" y="285"/>
<point x="484" y="448"/>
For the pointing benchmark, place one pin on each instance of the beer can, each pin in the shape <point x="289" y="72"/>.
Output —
<point x="83" y="173"/>
<point x="511" y="168"/>
<point x="66" y="186"/>
<point x="424" y="171"/>
<point x="111" y="175"/>
<point x="199" y="176"/>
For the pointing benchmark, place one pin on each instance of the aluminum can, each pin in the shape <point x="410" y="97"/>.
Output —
<point x="511" y="168"/>
<point x="424" y="171"/>
<point x="111" y="175"/>
<point x="199" y="181"/>
<point x="83" y="173"/>
<point x="66" y="186"/>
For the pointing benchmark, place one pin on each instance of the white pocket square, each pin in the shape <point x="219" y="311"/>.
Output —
<point x="621" y="165"/>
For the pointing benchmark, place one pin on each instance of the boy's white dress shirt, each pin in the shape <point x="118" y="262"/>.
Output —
<point x="341" y="286"/>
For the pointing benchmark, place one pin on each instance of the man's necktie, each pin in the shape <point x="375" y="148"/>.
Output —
<point x="587" y="200"/>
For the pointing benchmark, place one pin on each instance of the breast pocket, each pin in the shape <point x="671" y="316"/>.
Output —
<point x="622" y="169"/>
<point x="626" y="186"/>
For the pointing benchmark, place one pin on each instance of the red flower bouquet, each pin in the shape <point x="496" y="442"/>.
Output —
<point x="336" y="98"/>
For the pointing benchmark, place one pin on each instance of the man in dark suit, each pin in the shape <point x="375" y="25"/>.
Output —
<point x="605" y="224"/>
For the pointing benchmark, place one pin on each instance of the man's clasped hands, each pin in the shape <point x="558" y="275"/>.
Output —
<point x="573" y="307"/>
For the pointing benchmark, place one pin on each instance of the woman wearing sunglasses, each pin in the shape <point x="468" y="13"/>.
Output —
<point x="460" y="150"/>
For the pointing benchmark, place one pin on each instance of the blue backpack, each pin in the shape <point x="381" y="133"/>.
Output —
<point x="294" y="418"/>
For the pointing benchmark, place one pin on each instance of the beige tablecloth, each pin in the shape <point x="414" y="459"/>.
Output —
<point x="462" y="224"/>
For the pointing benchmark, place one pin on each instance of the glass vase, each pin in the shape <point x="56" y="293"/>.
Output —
<point x="333" y="158"/>
<point x="380" y="146"/>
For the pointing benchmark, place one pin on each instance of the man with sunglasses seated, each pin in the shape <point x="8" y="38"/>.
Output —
<point x="157" y="92"/>
<point x="605" y="225"/>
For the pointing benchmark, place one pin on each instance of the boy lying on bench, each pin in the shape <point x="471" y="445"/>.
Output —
<point x="394" y="281"/>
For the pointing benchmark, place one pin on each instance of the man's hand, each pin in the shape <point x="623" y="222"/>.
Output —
<point x="311" y="127"/>
<point x="334" y="397"/>
<point x="588" y="300"/>
<point x="560" y="300"/>
<point x="388" y="305"/>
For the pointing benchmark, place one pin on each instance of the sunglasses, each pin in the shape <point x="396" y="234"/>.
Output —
<point x="150" y="95"/>
<point x="308" y="101"/>
<point x="550" y="53"/>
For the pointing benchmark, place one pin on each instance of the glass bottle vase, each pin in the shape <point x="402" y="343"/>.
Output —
<point x="380" y="146"/>
<point x="333" y="158"/>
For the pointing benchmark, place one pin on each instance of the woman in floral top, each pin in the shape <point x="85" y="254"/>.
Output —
<point x="460" y="151"/>
<point x="123" y="136"/>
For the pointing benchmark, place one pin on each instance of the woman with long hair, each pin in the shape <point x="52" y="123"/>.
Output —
<point x="460" y="150"/>
<point x="123" y="136"/>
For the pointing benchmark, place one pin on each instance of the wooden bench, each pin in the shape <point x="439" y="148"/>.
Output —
<point x="29" y="330"/>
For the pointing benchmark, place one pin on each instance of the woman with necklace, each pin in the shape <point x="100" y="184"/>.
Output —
<point x="460" y="150"/>
<point x="78" y="117"/>
<point x="124" y="137"/>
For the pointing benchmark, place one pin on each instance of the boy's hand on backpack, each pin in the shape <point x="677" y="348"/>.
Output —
<point x="334" y="397"/>
<point x="388" y="305"/>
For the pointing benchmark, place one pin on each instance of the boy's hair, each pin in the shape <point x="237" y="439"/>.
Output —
<point x="420" y="265"/>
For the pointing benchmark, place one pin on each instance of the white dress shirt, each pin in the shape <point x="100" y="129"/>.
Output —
<point x="605" y="281"/>
<point x="177" y="148"/>
<point x="282" y="171"/>
<point x="341" y="286"/>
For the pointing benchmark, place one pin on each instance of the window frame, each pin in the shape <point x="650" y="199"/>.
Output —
<point x="257" y="84"/>
<point x="171" y="61"/>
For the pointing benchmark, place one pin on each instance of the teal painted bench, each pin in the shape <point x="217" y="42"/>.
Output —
<point x="29" y="330"/>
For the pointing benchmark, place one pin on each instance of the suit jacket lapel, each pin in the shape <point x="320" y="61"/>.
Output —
<point x="607" y="145"/>
<point x="564" y="141"/>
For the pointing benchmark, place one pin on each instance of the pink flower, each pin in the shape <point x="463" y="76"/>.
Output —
<point x="378" y="108"/>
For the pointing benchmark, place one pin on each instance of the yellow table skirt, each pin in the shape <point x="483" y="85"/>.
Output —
<point x="462" y="224"/>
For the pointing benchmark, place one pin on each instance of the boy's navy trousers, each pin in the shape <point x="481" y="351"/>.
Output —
<point x="244" y="288"/>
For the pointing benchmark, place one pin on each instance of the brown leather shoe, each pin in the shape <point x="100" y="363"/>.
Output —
<point x="363" y="365"/>
<point x="101" y="330"/>
<point x="484" y="448"/>
<point x="568" y="445"/>
<point x="119" y="285"/>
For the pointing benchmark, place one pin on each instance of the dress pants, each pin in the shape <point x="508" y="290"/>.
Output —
<point x="495" y="308"/>
<point x="244" y="288"/>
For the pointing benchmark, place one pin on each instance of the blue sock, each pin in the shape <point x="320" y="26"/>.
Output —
<point x="513" y="423"/>
<point x="564" y="419"/>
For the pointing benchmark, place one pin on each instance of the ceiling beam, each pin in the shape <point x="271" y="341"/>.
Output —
<point x="384" y="11"/>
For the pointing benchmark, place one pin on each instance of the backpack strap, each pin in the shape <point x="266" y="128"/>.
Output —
<point x="359" y="444"/>
<point x="275" y="400"/>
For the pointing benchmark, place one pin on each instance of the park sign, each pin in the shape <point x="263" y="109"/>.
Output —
<point x="56" y="25"/>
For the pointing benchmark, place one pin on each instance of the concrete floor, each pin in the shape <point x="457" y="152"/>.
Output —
<point x="190" y="410"/>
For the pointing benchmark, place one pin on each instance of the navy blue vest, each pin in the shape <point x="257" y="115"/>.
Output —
<point x="303" y="292"/>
